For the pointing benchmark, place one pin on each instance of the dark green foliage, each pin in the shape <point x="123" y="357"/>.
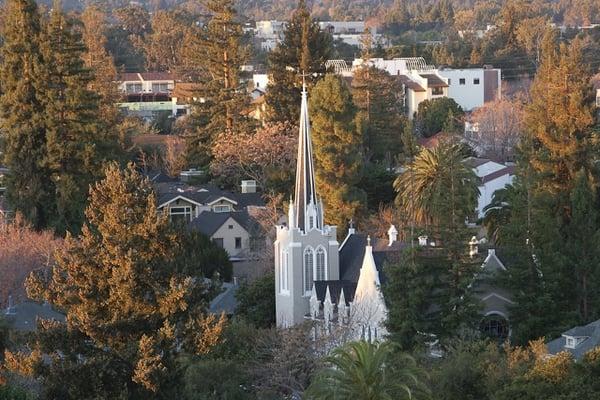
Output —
<point x="256" y="301"/>
<point x="217" y="54"/>
<point x="436" y="115"/>
<point x="303" y="50"/>
<point x="337" y="150"/>
<point x="380" y="116"/>
<point x="217" y="379"/>
<point x="199" y="256"/>
<point x="71" y="121"/>
<point x="4" y="331"/>
<point x="409" y="293"/>
<point x="9" y="392"/>
<point x="22" y="112"/>
<point x="377" y="182"/>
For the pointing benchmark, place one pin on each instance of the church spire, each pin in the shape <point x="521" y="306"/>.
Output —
<point x="307" y="208"/>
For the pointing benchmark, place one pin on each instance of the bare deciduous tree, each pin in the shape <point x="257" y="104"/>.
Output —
<point x="22" y="250"/>
<point x="497" y="128"/>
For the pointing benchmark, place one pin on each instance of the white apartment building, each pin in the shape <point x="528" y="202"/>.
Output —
<point x="492" y="176"/>
<point x="470" y="88"/>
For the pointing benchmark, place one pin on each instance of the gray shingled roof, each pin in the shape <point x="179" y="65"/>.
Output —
<point x="591" y="333"/>
<point x="226" y="301"/>
<point x="23" y="317"/>
<point x="204" y="194"/>
<point x="335" y="289"/>
<point x="208" y="222"/>
<point x="353" y="253"/>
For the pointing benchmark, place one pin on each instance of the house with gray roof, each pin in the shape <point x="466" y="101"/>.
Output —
<point x="577" y="341"/>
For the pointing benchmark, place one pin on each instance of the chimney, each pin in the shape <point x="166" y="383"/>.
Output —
<point x="392" y="235"/>
<point x="248" y="186"/>
<point x="473" y="247"/>
<point x="491" y="252"/>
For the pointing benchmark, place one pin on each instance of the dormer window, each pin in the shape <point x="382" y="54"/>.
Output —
<point x="222" y="208"/>
<point x="571" y="342"/>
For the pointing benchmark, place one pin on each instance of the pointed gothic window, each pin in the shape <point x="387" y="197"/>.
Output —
<point x="321" y="272"/>
<point x="308" y="270"/>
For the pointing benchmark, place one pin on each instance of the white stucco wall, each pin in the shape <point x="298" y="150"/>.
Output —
<point x="487" y="190"/>
<point x="469" y="95"/>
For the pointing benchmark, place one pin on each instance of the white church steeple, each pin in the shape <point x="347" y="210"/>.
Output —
<point x="308" y="211"/>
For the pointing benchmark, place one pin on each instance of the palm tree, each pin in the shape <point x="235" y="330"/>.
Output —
<point x="436" y="185"/>
<point x="367" y="371"/>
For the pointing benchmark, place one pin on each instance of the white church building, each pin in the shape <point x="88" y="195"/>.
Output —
<point x="319" y="279"/>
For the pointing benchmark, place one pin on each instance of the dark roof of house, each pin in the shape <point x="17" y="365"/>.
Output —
<point x="204" y="194"/>
<point x="146" y="76"/>
<point x="591" y="333"/>
<point x="335" y="289"/>
<point x="23" y="317"/>
<point x="434" y="81"/>
<point x="475" y="162"/>
<point x="501" y="172"/>
<point x="409" y="83"/>
<point x="353" y="252"/>
<point x="225" y="302"/>
<point x="208" y="222"/>
<point x="160" y="177"/>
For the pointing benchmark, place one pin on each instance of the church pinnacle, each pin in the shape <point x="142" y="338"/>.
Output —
<point x="307" y="210"/>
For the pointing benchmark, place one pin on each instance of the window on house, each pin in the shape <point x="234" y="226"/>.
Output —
<point x="308" y="270"/>
<point x="437" y="91"/>
<point x="476" y="81"/>
<point x="283" y="272"/>
<point x="238" y="242"/>
<point x="218" y="242"/>
<point x="160" y="87"/>
<point x="461" y="81"/>
<point x="222" y="208"/>
<point x="597" y="101"/>
<point x="180" y="214"/>
<point x="230" y="227"/>
<point x="133" y="87"/>
<point x="321" y="272"/>
<point x="495" y="326"/>
<point x="570" y="343"/>
<point x="448" y="81"/>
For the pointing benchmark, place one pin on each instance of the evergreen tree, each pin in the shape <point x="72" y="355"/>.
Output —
<point x="71" y="120"/>
<point x="559" y="117"/>
<point x="29" y="187"/>
<point x="131" y="306"/>
<point x="380" y="113"/>
<point x="337" y="150"/>
<point x="303" y="50"/>
<point x="218" y="50"/>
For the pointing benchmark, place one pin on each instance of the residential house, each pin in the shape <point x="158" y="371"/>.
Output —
<point x="148" y="94"/>
<point x="577" y="341"/>
<point x="350" y="32"/>
<point x="472" y="87"/>
<point x="492" y="176"/>
<point x="230" y="230"/>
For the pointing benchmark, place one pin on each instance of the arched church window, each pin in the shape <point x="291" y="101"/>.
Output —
<point x="308" y="269"/>
<point x="283" y="272"/>
<point x="321" y="272"/>
<point x="494" y="326"/>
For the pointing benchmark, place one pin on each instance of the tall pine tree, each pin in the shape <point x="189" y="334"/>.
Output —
<point x="218" y="50"/>
<point x="133" y="305"/>
<point x="337" y="150"/>
<point x="303" y="50"/>
<point x="71" y="120"/>
<point x="22" y="114"/>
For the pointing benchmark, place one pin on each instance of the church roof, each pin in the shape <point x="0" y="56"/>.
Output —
<point x="335" y="288"/>
<point x="353" y="253"/>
